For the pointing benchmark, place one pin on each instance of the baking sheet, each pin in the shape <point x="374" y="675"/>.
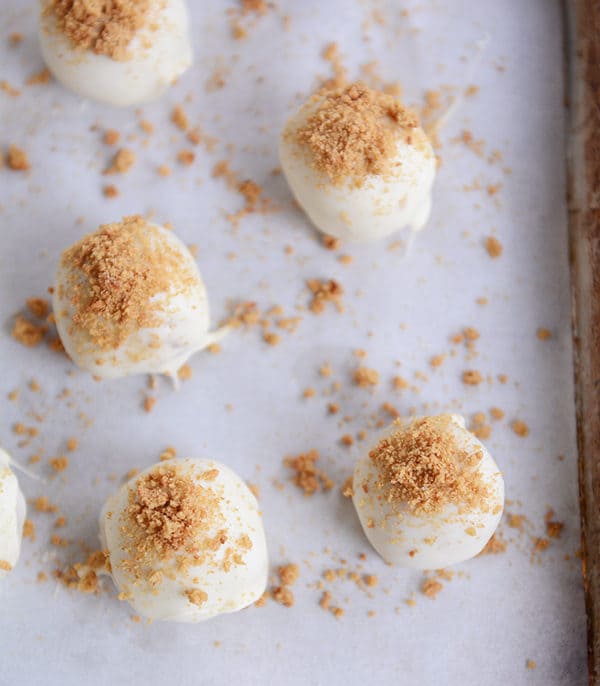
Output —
<point x="499" y="610"/>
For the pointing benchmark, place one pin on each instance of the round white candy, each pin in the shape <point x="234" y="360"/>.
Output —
<point x="179" y="327"/>
<point x="230" y="565"/>
<point x="159" y="54"/>
<point x="379" y="206"/>
<point x="427" y="541"/>
<point x="12" y="516"/>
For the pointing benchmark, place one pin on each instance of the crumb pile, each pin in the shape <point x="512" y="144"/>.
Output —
<point x="354" y="132"/>
<point x="105" y="28"/>
<point x="169" y="513"/>
<point x="115" y="275"/>
<point x="423" y="467"/>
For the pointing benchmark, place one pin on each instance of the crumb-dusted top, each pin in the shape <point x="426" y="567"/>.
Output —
<point x="424" y="467"/>
<point x="106" y="27"/>
<point x="354" y="132"/>
<point x="113" y="277"/>
<point x="175" y="521"/>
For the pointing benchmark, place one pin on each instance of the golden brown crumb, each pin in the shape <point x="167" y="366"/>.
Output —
<point x="105" y="28"/>
<point x="366" y="377"/>
<point x="5" y="565"/>
<point x="520" y="428"/>
<point x="164" y="170"/>
<point x="530" y="664"/>
<point x="15" y="38"/>
<point x="168" y="454"/>
<point x="554" y="528"/>
<point x="146" y="126"/>
<point x="347" y="440"/>
<point x="540" y="544"/>
<point x="196" y="596"/>
<point x="543" y="334"/>
<point x="186" y="157"/>
<point x="288" y="574"/>
<point x="493" y="246"/>
<point x="307" y="476"/>
<point x="59" y="464"/>
<point x="422" y="466"/>
<point x="472" y="377"/>
<point x="331" y="243"/>
<point x="149" y="403"/>
<point x="348" y="487"/>
<point x="262" y="601"/>
<point x="354" y="132"/>
<point x="431" y="587"/>
<point x="42" y="577"/>
<point x="28" y="333"/>
<point x="10" y="90"/>
<point x="110" y="191"/>
<point x="324" y="292"/>
<point x="399" y="383"/>
<point x="29" y="529"/>
<point x="17" y="159"/>
<point x="111" y="137"/>
<point x="271" y="338"/>
<point x="121" y="162"/>
<point x="72" y="444"/>
<point x="39" y="307"/>
<point x="471" y="334"/>
<point x="42" y="504"/>
<point x="309" y="393"/>
<point x="497" y="413"/>
<point x="325" y="601"/>
<point x="392" y="410"/>
<point x="40" y="78"/>
<point x="283" y="595"/>
<point x="494" y="546"/>
<point x="180" y="118"/>
<point x="60" y="522"/>
<point x="371" y="580"/>
<point x="58" y="541"/>
<point x="437" y="360"/>
<point x="185" y="372"/>
<point x="333" y="408"/>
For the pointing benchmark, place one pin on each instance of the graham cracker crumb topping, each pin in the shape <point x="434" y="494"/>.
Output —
<point x="114" y="276"/>
<point x="423" y="467"/>
<point x="354" y="132"/>
<point x="105" y="28"/>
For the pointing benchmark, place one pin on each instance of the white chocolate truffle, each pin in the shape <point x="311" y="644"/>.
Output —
<point x="127" y="54"/>
<point x="358" y="164"/>
<point x="428" y="494"/>
<point x="129" y="299"/>
<point x="185" y="541"/>
<point x="12" y="516"/>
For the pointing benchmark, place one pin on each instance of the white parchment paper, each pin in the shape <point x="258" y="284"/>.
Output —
<point x="499" y="611"/>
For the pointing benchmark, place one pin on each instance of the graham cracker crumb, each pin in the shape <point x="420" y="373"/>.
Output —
<point x="543" y="334"/>
<point x="472" y="377"/>
<point x="331" y="243"/>
<point x="354" y="132"/>
<point x="422" y="465"/>
<point x="105" y="28"/>
<point x="307" y="476"/>
<point x="39" y="307"/>
<point x="29" y="529"/>
<point x="42" y="504"/>
<point x="283" y="595"/>
<point x="496" y="413"/>
<point x="530" y="664"/>
<point x="110" y="191"/>
<point x="111" y="137"/>
<point x="431" y="587"/>
<point x="5" y="565"/>
<point x="149" y="403"/>
<point x="196" y="596"/>
<point x="122" y="162"/>
<point x="366" y="377"/>
<point x="28" y="333"/>
<point x="186" y="157"/>
<point x="180" y="118"/>
<point x="399" y="383"/>
<point x="185" y="372"/>
<point x="520" y="428"/>
<point x="288" y="574"/>
<point x="59" y="464"/>
<point x="324" y="292"/>
<point x="494" y="546"/>
<point x="493" y="246"/>
<point x="17" y="159"/>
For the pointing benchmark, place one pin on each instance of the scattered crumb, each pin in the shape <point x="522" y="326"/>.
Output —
<point x="17" y="159"/>
<point x="493" y="246"/>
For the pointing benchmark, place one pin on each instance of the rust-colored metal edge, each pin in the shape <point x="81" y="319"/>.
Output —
<point x="582" y="20"/>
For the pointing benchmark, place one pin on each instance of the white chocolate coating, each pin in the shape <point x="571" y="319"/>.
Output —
<point x="379" y="207"/>
<point x="427" y="541"/>
<point x="228" y="588"/>
<point x="12" y="514"/>
<point x="160" y="54"/>
<point x="161" y="349"/>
